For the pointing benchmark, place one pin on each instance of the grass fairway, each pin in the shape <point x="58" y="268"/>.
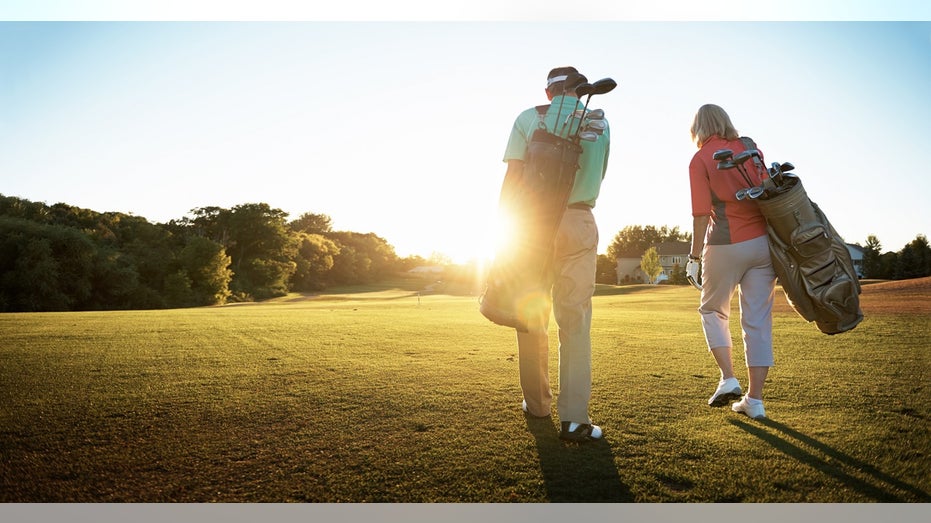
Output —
<point x="384" y="396"/>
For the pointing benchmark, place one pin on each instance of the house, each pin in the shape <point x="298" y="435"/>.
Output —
<point x="856" y="254"/>
<point x="671" y="254"/>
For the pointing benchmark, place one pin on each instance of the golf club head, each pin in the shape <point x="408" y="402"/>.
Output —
<point x="755" y="192"/>
<point x="726" y="164"/>
<point x="723" y="154"/>
<point x="579" y="114"/>
<point x="594" y="114"/>
<point x="741" y="194"/>
<point x="596" y="125"/>
<point x="584" y="89"/>
<point x="588" y="136"/>
<point x="786" y="167"/>
<point x="742" y="157"/>
<point x="605" y="85"/>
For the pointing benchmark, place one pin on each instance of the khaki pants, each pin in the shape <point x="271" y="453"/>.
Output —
<point x="747" y="267"/>
<point x="573" y="283"/>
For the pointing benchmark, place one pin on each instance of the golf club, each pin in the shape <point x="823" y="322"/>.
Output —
<point x="597" y="126"/>
<point x="603" y="86"/>
<point x="723" y="154"/>
<point x="594" y="114"/>
<point x="738" y="161"/>
<point x="758" y="163"/>
<point x="572" y="79"/>
<point x="580" y="90"/>
<point x="775" y="174"/>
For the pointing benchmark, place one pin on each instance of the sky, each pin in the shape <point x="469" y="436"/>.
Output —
<point x="395" y="122"/>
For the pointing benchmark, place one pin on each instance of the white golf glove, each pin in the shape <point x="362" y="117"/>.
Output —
<point x="692" y="270"/>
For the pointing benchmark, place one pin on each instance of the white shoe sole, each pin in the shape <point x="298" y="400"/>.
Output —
<point x="723" y="398"/>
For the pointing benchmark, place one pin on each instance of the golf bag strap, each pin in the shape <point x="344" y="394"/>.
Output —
<point x="541" y="114"/>
<point x="750" y="144"/>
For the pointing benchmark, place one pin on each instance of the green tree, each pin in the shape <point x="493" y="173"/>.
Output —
<point x="114" y="280"/>
<point x="34" y="279"/>
<point x="872" y="258"/>
<point x="362" y="258"/>
<point x="258" y="241"/>
<point x="312" y="224"/>
<point x="178" y="292"/>
<point x="649" y="264"/>
<point x="632" y="241"/>
<point x="920" y="264"/>
<point x="44" y="267"/>
<point x="678" y="276"/>
<point x="258" y="246"/>
<point x="889" y="261"/>
<point x="606" y="270"/>
<point x="314" y="260"/>
<point x="205" y="264"/>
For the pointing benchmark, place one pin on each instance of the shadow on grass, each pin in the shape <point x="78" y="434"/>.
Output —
<point x="576" y="473"/>
<point x="875" y="486"/>
<point x="620" y="290"/>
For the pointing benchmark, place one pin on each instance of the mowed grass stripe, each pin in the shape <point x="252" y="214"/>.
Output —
<point x="390" y="397"/>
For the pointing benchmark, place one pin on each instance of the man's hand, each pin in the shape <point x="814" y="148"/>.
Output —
<point x="692" y="269"/>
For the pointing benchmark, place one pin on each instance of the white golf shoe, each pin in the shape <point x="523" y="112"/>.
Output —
<point x="727" y="390"/>
<point x="753" y="410"/>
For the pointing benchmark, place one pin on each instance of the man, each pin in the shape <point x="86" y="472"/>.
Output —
<point x="570" y="281"/>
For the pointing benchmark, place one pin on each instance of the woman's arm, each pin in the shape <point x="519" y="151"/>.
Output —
<point x="699" y="226"/>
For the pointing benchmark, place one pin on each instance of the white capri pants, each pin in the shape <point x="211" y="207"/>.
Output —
<point x="747" y="267"/>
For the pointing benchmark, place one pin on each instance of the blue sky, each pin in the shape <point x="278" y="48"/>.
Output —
<point x="398" y="128"/>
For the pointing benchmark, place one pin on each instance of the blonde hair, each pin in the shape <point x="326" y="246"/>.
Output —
<point x="711" y="120"/>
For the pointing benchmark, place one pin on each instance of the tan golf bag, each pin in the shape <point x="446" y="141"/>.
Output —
<point x="812" y="261"/>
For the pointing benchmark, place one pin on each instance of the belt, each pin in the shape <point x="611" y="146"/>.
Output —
<point x="581" y="206"/>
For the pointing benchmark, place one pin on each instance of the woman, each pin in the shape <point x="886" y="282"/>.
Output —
<point x="729" y="237"/>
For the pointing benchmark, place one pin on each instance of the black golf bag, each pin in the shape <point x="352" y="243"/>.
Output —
<point x="519" y="270"/>
<point x="811" y="260"/>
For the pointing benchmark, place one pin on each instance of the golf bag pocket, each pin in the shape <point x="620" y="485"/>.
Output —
<point x="815" y="255"/>
<point x="839" y="300"/>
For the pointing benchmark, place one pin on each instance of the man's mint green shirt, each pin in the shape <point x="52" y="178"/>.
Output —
<point x="594" y="159"/>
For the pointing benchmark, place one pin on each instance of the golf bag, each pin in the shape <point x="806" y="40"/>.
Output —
<point x="811" y="260"/>
<point x="519" y="270"/>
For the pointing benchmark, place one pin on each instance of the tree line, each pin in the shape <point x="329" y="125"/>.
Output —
<point x="912" y="261"/>
<point x="59" y="257"/>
